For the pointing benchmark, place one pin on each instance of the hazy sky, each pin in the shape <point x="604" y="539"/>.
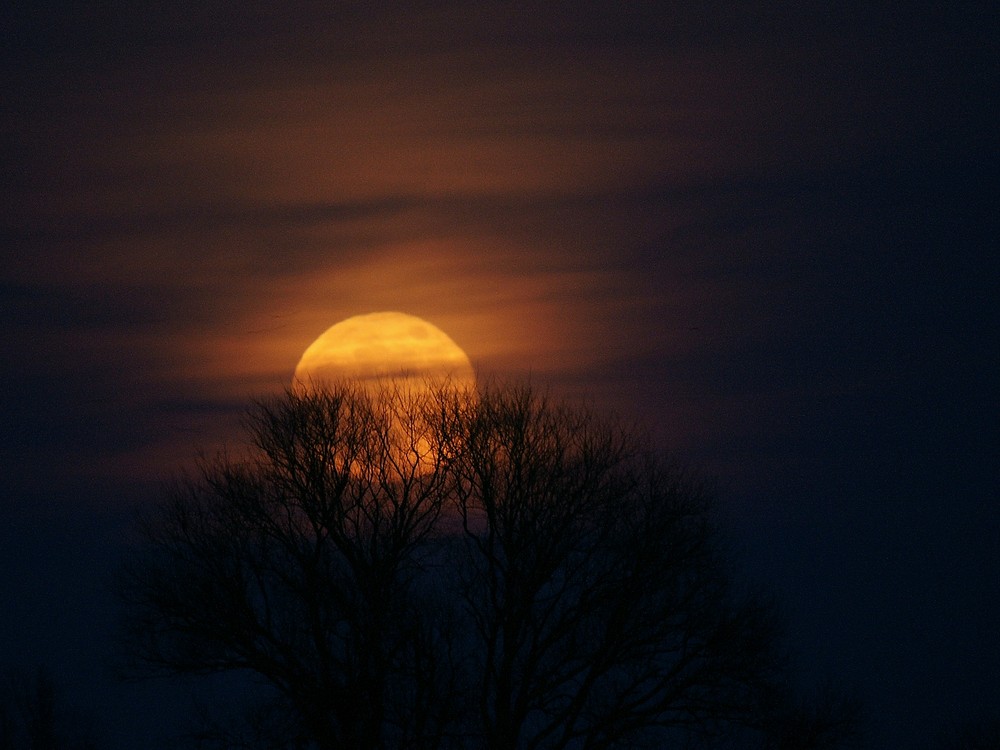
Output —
<point x="765" y="230"/>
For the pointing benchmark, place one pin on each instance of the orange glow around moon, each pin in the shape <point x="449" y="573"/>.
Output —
<point x="383" y="346"/>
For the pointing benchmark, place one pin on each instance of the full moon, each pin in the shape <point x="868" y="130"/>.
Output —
<point x="383" y="346"/>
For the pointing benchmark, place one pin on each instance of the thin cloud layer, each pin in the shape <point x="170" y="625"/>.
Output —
<point x="761" y="229"/>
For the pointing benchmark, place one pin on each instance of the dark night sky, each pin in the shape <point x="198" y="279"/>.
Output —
<point x="766" y="230"/>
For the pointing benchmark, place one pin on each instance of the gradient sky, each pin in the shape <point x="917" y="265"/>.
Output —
<point x="764" y="230"/>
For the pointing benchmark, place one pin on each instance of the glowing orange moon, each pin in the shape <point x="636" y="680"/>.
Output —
<point x="383" y="346"/>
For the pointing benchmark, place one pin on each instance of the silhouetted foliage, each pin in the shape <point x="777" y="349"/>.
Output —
<point x="439" y="570"/>
<point x="261" y="723"/>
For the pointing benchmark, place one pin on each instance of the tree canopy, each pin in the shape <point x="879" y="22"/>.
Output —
<point x="449" y="570"/>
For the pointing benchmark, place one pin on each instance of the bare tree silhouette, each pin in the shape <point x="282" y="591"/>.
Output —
<point x="602" y="613"/>
<point x="296" y="562"/>
<point x="437" y="570"/>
